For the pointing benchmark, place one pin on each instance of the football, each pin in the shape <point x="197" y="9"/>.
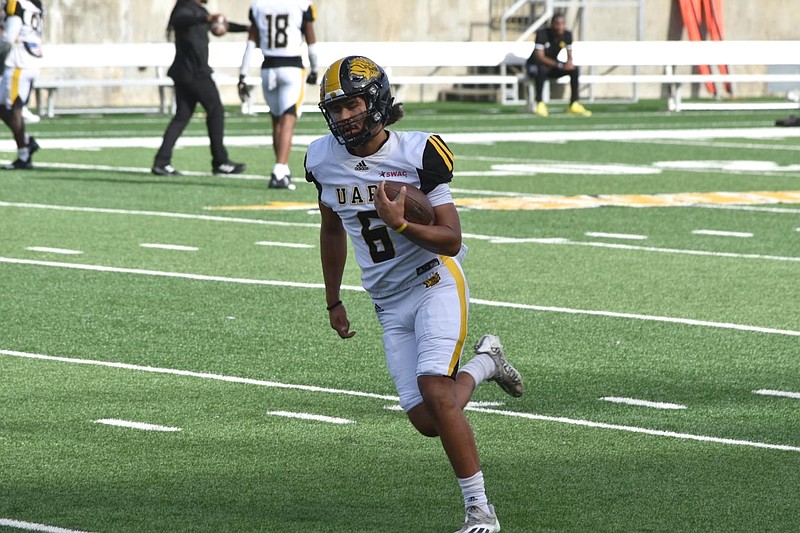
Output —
<point x="220" y="26"/>
<point x="418" y="208"/>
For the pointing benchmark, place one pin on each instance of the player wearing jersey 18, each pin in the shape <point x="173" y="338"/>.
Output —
<point x="411" y="271"/>
<point x="21" y="55"/>
<point x="278" y="28"/>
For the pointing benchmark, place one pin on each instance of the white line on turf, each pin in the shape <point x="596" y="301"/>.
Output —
<point x="642" y="403"/>
<point x="718" y="233"/>
<point x="784" y="394"/>
<point x="779" y="210"/>
<point x="175" y="247"/>
<point x="284" y="244"/>
<point x="164" y="214"/>
<point x="135" y="425"/>
<point x="316" y="418"/>
<point x="476" y="301"/>
<point x="686" y="321"/>
<point x="30" y="526"/>
<point x="616" y="236"/>
<point x="529" y="416"/>
<point x="45" y="249"/>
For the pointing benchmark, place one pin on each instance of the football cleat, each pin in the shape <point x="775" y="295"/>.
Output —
<point x="541" y="109"/>
<point x="478" y="521"/>
<point x="281" y="183"/>
<point x="164" y="170"/>
<point x="509" y="379"/>
<point x="228" y="168"/>
<point x="19" y="164"/>
<point x="33" y="146"/>
<point x="576" y="108"/>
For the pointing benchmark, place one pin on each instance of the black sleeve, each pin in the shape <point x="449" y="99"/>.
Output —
<point x="437" y="164"/>
<point x="235" y="27"/>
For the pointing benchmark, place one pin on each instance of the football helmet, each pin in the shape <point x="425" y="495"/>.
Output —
<point x="356" y="76"/>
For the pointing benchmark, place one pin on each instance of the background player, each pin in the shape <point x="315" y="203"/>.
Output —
<point x="193" y="84"/>
<point x="417" y="285"/>
<point x="544" y="63"/>
<point x="278" y="29"/>
<point x="21" y="54"/>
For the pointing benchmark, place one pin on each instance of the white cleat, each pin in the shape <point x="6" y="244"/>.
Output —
<point x="509" y="379"/>
<point x="477" y="521"/>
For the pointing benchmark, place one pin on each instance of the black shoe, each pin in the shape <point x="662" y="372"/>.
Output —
<point x="19" y="164"/>
<point x="33" y="146"/>
<point x="228" y="168"/>
<point x="281" y="183"/>
<point x="163" y="170"/>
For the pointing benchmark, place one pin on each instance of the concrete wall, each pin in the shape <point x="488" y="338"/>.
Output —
<point x="103" y="21"/>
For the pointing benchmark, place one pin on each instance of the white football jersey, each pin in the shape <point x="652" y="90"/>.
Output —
<point x="347" y="184"/>
<point x="280" y="25"/>
<point x="27" y="44"/>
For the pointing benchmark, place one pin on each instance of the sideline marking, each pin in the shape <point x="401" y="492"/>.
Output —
<point x="164" y="214"/>
<point x="616" y="236"/>
<point x="176" y="247"/>
<point x="135" y="425"/>
<point x="785" y="394"/>
<point x="718" y="233"/>
<point x="642" y="403"/>
<point x="529" y="416"/>
<point x="53" y="250"/>
<point x="284" y="244"/>
<point x="30" y="526"/>
<point x="308" y="416"/>
<point x="476" y="301"/>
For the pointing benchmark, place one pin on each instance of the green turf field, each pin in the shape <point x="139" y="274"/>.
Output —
<point x="642" y="269"/>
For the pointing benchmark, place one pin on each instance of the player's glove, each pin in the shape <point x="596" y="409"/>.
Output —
<point x="312" y="78"/>
<point x="244" y="90"/>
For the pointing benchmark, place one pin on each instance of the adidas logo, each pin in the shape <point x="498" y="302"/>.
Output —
<point x="378" y="308"/>
<point x="362" y="166"/>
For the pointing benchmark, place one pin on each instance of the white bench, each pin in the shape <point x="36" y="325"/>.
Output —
<point x="77" y="66"/>
<point x="669" y="55"/>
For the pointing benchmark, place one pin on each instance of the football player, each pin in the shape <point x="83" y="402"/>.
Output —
<point x="20" y="53"/>
<point x="279" y="28"/>
<point x="411" y="271"/>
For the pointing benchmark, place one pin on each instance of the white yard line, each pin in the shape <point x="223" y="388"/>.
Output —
<point x="164" y="214"/>
<point x="135" y="425"/>
<point x="309" y="416"/>
<point x="174" y="247"/>
<point x="45" y="249"/>
<point x="778" y="210"/>
<point x="476" y="301"/>
<point x="30" y="526"/>
<point x="284" y="244"/>
<point x="642" y="403"/>
<point x="783" y="394"/>
<point x="718" y="233"/>
<point x="627" y="236"/>
<point x="528" y="416"/>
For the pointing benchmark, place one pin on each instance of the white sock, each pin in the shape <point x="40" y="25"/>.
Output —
<point x="481" y="368"/>
<point x="474" y="492"/>
<point x="23" y="153"/>
<point x="281" y="170"/>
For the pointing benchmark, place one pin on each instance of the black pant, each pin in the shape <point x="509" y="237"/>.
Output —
<point x="187" y="96"/>
<point x="540" y="73"/>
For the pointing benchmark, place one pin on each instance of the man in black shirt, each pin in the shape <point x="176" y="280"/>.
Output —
<point x="544" y="63"/>
<point x="191" y="74"/>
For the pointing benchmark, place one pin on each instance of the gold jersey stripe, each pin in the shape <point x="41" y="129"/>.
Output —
<point x="461" y="286"/>
<point x="446" y="154"/>
<point x="11" y="7"/>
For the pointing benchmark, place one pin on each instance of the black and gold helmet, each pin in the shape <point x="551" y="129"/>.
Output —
<point x="356" y="76"/>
